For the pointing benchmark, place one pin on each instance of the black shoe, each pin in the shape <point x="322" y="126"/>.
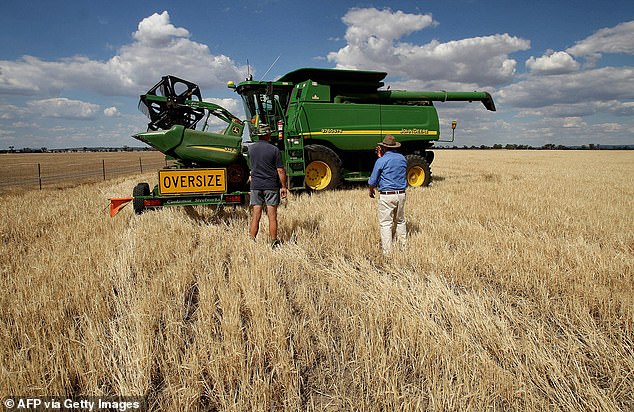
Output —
<point x="275" y="244"/>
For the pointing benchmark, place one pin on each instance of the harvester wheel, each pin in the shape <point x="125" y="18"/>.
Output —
<point x="142" y="189"/>
<point x="323" y="169"/>
<point x="418" y="171"/>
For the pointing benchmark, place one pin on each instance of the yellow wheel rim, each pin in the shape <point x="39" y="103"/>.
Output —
<point x="318" y="175"/>
<point x="415" y="176"/>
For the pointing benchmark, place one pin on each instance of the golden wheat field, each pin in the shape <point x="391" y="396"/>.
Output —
<point x="515" y="293"/>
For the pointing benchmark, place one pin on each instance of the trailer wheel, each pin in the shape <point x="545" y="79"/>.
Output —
<point x="142" y="189"/>
<point x="323" y="170"/>
<point x="418" y="171"/>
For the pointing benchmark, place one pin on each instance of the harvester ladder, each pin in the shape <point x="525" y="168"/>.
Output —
<point x="295" y="163"/>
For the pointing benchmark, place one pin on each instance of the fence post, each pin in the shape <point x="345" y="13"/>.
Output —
<point x="39" y="175"/>
<point x="103" y="168"/>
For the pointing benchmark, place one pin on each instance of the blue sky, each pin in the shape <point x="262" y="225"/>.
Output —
<point x="560" y="72"/>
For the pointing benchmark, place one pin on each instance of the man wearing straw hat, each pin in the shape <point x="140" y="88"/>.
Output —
<point x="389" y="177"/>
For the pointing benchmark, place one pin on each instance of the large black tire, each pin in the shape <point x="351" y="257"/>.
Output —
<point x="418" y="171"/>
<point x="323" y="168"/>
<point x="142" y="189"/>
<point x="429" y="156"/>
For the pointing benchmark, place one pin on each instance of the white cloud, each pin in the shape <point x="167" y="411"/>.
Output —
<point x="617" y="39"/>
<point x="573" y="122"/>
<point x="364" y="24"/>
<point x="615" y="84"/>
<point x="552" y="63"/>
<point x="372" y="44"/>
<point x="232" y="105"/>
<point x="157" y="31"/>
<point x="63" y="108"/>
<point x="111" y="112"/>
<point x="159" y="48"/>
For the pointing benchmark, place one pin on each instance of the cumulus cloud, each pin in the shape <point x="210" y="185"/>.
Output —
<point x="159" y="48"/>
<point x="232" y="105"/>
<point x="384" y="24"/>
<point x="553" y="63"/>
<point x="372" y="43"/>
<point x="157" y="31"/>
<point x="584" y="87"/>
<point x="63" y="108"/>
<point x="111" y="112"/>
<point x="617" y="39"/>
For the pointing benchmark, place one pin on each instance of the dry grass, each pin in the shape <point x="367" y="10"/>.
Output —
<point x="515" y="293"/>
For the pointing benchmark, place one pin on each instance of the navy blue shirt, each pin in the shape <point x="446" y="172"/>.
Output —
<point x="265" y="159"/>
<point x="389" y="172"/>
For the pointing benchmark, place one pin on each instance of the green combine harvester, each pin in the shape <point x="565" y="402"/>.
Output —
<point x="328" y="123"/>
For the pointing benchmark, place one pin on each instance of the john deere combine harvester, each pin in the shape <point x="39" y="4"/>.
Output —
<point x="328" y="123"/>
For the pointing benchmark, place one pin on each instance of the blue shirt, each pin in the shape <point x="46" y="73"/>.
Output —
<point x="389" y="172"/>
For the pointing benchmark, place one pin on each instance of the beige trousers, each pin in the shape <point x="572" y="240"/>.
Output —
<point x="392" y="212"/>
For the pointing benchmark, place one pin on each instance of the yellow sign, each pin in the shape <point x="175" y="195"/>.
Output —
<point x="192" y="181"/>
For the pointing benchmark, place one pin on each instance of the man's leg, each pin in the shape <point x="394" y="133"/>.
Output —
<point x="386" y="217"/>
<point x="256" y="213"/>
<point x="271" y="212"/>
<point x="401" y="229"/>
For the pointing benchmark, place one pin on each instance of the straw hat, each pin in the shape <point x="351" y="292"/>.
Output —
<point x="390" y="142"/>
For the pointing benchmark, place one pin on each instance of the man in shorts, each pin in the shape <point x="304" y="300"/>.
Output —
<point x="268" y="182"/>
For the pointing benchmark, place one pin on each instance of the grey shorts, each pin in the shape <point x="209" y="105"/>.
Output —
<point x="265" y="197"/>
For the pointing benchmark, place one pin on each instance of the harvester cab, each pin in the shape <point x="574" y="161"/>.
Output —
<point x="264" y="103"/>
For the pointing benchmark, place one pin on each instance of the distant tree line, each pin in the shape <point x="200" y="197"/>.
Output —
<point x="549" y="146"/>
<point x="12" y="149"/>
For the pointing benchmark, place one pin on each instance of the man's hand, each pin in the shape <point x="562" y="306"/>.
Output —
<point x="283" y="192"/>
<point x="371" y="192"/>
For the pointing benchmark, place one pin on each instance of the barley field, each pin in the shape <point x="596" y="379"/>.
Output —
<point x="515" y="293"/>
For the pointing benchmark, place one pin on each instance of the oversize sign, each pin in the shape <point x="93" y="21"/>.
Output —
<point x="192" y="181"/>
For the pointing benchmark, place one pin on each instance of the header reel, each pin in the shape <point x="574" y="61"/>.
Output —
<point x="168" y="103"/>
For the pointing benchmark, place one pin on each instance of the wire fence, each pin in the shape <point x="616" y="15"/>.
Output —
<point x="38" y="171"/>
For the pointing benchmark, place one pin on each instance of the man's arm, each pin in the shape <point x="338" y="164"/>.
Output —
<point x="373" y="181"/>
<point x="281" y="173"/>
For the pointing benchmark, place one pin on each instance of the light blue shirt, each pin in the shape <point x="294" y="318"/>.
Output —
<point x="389" y="172"/>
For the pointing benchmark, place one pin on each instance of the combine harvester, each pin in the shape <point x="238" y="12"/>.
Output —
<point x="328" y="123"/>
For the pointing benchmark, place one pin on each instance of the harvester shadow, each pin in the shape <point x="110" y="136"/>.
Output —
<point x="216" y="214"/>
